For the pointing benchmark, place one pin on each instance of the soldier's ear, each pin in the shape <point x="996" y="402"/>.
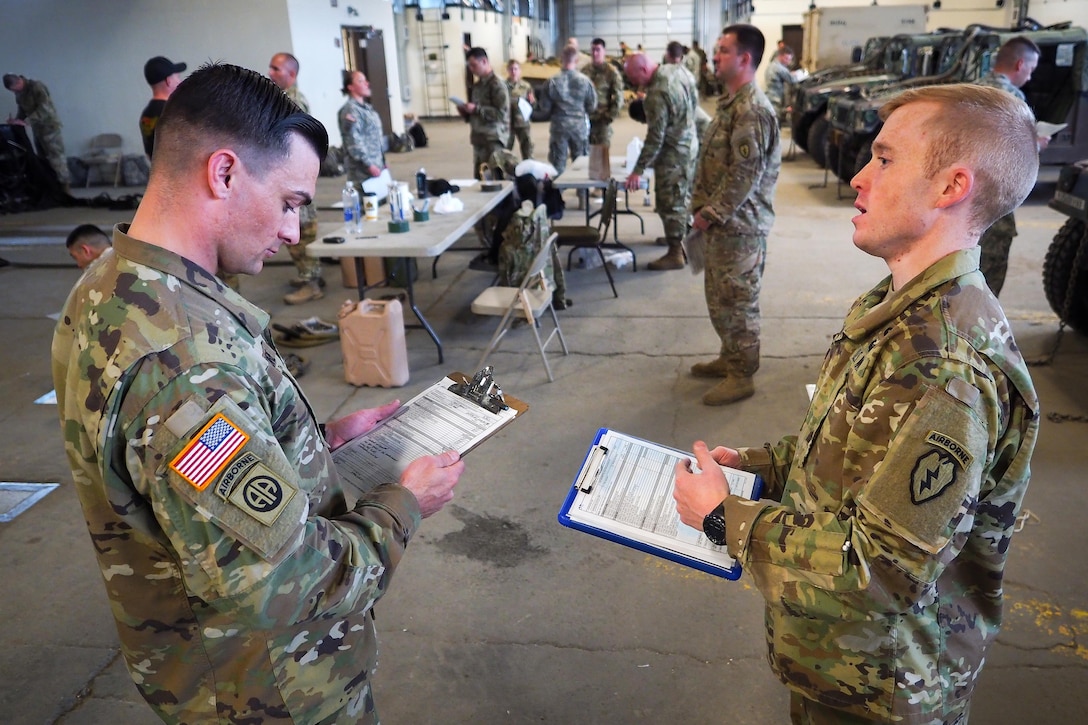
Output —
<point x="222" y="169"/>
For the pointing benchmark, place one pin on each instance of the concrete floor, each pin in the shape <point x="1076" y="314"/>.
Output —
<point x="499" y="614"/>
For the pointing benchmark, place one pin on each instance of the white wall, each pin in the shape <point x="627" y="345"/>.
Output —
<point x="91" y="53"/>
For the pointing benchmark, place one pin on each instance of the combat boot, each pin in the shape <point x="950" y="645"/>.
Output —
<point x="673" y="259"/>
<point x="730" y="390"/>
<point x="302" y="282"/>
<point x="312" y="291"/>
<point x="717" y="368"/>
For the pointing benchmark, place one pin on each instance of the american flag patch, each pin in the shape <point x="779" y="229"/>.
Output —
<point x="210" y="452"/>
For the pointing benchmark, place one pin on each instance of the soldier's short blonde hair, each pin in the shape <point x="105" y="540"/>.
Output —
<point x="569" y="55"/>
<point x="988" y="130"/>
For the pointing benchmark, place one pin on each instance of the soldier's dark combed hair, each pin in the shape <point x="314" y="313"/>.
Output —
<point x="597" y="41"/>
<point x="230" y="106"/>
<point x="84" y="231"/>
<point x="749" y="40"/>
<point x="476" y="54"/>
<point x="675" y="50"/>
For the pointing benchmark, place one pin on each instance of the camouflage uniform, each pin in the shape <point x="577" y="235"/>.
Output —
<point x="490" y="122"/>
<point x="519" y="125"/>
<point x="996" y="242"/>
<point x="309" y="268"/>
<point x="608" y="84"/>
<point x="882" y="564"/>
<point x="520" y="243"/>
<point x="361" y="130"/>
<point x="567" y="99"/>
<point x="672" y="145"/>
<point x="36" y="108"/>
<point x="734" y="190"/>
<point x="242" y="594"/>
<point x="776" y="81"/>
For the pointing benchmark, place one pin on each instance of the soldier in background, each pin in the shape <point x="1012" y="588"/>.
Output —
<point x="37" y="111"/>
<point x="881" y="537"/>
<point x="567" y="99"/>
<point x="86" y="243"/>
<point x="608" y="84"/>
<point x="240" y="574"/>
<point x="1015" y="62"/>
<point x="671" y="148"/>
<point x="777" y="80"/>
<point x="732" y="203"/>
<point x="163" y="75"/>
<point x="520" y="126"/>
<point x="283" y="70"/>
<point x="487" y="112"/>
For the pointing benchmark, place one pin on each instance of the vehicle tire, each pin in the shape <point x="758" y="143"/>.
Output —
<point x="1061" y="278"/>
<point x="833" y="157"/>
<point x="799" y="128"/>
<point x="847" y="161"/>
<point x="865" y="155"/>
<point x="817" y="137"/>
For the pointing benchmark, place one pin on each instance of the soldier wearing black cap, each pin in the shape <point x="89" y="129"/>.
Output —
<point x="162" y="75"/>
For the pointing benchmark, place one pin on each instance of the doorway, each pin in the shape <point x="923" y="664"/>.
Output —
<point x="364" y="50"/>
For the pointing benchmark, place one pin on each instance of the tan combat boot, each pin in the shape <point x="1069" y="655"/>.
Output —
<point x="673" y="259"/>
<point x="718" y="368"/>
<point x="730" y="390"/>
<point x="312" y="291"/>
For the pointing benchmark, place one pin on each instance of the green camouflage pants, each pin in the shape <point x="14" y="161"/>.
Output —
<point x="525" y="141"/>
<point x="734" y="274"/>
<point x="996" y="243"/>
<point x="51" y="148"/>
<point x="600" y="134"/>
<point x="481" y="154"/>
<point x="309" y="268"/>
<point x="673" y="175"/>
<point x="804" y="711"/>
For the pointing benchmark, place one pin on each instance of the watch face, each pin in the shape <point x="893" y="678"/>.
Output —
<point x="714" y="526"/>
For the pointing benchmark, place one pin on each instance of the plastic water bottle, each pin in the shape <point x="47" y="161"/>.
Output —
<point x="353" y="216"/>
<point x="421" y="183"/>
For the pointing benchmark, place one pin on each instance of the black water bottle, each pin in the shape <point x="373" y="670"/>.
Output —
<point x="421" y="184"/>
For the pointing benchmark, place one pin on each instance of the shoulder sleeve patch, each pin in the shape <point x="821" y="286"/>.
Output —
<point x="262" y="495"/>
<point x="931" y="474"/>
<point x="209" y="451"/>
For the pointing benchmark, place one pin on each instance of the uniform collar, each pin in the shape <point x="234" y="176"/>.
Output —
<point x="189" y="273"/>
<point x="881" y="304"/>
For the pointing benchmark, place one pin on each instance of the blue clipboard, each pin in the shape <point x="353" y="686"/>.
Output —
<point x="701" y="555"/>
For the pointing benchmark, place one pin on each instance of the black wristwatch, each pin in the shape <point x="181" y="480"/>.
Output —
<point x="714" y="525"/>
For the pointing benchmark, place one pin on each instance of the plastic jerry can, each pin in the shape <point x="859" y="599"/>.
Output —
<point x="372" y="343"/>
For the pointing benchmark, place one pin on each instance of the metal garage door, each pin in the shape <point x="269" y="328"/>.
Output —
<point x="653" y="23"/>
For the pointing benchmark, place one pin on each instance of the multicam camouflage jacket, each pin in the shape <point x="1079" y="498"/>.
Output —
<point x="882" y="565"/>
<point x="608" y="83"/>
<point x="670" y="103"/>
<point x="490" y="122"/>
<point x="240" y="576"/>
<point x="738" y="168"/>
<point x="296" y="95"/>
<point x="518" y="90"/>
<point x="36" y="107"/>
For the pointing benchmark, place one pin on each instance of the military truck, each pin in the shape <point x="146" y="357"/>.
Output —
<point x="900" y="57"/>
<point x="1065" y="267"/>
<point x="1057" y="93"/>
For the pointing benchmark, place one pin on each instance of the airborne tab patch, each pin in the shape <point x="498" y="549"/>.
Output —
<point x="954" y="447"/>
<point x="208" y="453"/>
<point x="262" y="495"/>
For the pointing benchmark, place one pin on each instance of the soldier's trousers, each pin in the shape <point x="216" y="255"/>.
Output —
<point x="600" y="134"/>
<point x="734" y="275"/>
<point x="309" y="268"/>
<point x="996" y="243"/>
<point x="804" y="711"/>
<point x="525" y="141"/>
<point x="673" y="176"/>
<point x="51" y="148"/>
<point x="564" y="141"/>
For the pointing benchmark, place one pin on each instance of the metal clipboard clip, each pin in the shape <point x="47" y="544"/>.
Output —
<point x="592" y="469"/>
<point x="482" y="390"/>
